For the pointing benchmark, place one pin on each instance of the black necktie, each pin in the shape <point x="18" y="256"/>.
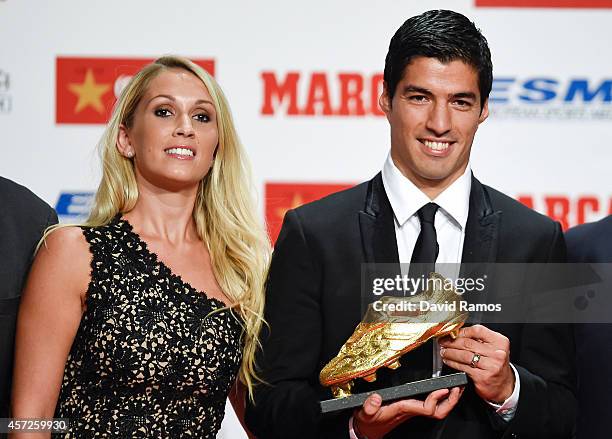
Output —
<point x="417" y="363"/>
<point x="426" y="249"/>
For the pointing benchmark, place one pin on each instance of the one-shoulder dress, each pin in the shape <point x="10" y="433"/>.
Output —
<point x="150" y="358"/>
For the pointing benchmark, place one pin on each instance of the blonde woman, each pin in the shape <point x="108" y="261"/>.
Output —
<point x="142" y="321"/>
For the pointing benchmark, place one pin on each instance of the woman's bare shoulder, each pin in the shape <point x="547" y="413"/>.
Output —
<point x="63" y="257"/>
<point x="65" y="241"/>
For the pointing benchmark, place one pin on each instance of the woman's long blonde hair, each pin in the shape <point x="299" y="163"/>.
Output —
<point x="225" y="214"/>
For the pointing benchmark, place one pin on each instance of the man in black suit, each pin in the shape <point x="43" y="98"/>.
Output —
<point x="437" y="79"/>
<point x="23" y="219"/>
<point x="592" y="243"/>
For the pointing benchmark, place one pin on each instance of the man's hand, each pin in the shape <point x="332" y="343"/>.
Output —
<point x="491" y="373"/>
<point x="374" y="420"/>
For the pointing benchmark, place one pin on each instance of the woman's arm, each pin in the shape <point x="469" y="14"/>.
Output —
<point x="48" y="319"/>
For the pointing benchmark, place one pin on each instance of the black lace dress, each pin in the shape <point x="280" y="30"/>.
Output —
<point x="146" y="360"/>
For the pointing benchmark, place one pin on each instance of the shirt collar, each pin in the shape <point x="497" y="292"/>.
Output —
<point x="406" y="199"/>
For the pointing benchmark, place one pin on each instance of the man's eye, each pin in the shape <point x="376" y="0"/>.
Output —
<point x="162" y="112"/>
<point x="462" y="103"/>
<point x="418" y="98"/>
<point x="202" y="117"/>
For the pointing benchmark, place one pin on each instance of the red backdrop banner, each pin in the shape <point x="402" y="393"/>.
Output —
<point x="86" y="87"/>
<point x="281" y="197"/>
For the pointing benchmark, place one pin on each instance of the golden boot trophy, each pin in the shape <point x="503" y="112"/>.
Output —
<point x="391" y="327"/>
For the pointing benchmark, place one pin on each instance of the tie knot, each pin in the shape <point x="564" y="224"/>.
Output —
<point x="427" y="213"/>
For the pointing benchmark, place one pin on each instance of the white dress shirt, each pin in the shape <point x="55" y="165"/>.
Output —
<point x="450" y="221"/>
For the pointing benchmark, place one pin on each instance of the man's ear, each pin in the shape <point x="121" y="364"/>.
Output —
<point x="123" y="142"/>
<point x="484" y="113"/>
<point x="384" y="101"/>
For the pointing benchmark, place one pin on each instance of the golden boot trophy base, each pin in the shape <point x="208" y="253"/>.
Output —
<point x="390" y="394"/>
<point x="391" y="327"/>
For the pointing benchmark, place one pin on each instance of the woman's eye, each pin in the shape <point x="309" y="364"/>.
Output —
<point x="162" y="112"/>
<point x="202" y="117"/>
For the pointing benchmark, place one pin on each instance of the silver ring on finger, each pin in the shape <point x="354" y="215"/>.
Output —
<point x="475" y="360"/>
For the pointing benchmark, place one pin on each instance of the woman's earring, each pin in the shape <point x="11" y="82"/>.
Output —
<point x="130" y="154"/>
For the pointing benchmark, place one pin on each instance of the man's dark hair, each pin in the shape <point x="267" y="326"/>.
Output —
<point x="444" y="35"/>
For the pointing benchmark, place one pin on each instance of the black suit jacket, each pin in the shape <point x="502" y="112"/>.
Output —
<point x="592" y="243"/>
<point x="313" y="306"/>
<point x="23" y="219"/>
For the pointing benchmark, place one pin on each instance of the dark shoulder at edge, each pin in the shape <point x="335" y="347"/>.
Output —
<point x="519" y="212"/>
<point x="18" y="195"/>
<point x="592" y="230"/>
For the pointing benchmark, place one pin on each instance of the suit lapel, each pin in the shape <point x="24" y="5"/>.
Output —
<point x="479" y="246"/>
<point x="378" y="239"/>
<point x="481" y="241"/>
<point x="482" y="228"/>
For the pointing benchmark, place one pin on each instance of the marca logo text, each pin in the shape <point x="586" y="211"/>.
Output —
<point x="321" y="93"/>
